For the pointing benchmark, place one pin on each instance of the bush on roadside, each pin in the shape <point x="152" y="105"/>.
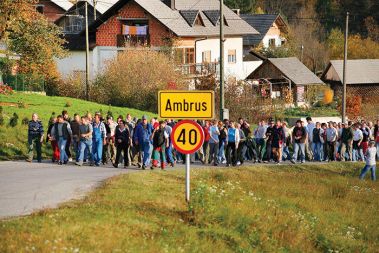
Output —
<point x="134" y="78"/>
<point x="25" y="121"/>
<point x="14" y="120"/>
<point x="73" y="86"/>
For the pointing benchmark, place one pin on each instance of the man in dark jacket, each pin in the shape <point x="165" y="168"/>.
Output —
<point x="160" y="143"/>
<point x="269" y="135"/>
<point x="122" y="141"/>
<point x="278" y="138"/>
<point x="62" y="132"/>
<point x="142" y="138"/>
<point x="299" y="136"/>
<point x="346" y="142"/>
<point x="35" y="136"/>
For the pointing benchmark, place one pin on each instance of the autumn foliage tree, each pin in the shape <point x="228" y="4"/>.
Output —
<point x="134" y="78"/>
<point x="29" y="34"/>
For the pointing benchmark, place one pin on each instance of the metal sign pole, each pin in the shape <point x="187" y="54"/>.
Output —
<point x="188" y="178"/>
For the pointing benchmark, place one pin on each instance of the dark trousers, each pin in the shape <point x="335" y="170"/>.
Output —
<point x="35" y="140"/>
<point x="241" y="151"/>
<point x="231" y="153"/>
<point x="67" y="149"/>
<point x="330" y="148"/>
<point x="268" y="151"/>
<point x="125" y="150"/>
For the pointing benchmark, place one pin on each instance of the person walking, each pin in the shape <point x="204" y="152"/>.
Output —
<point x="308" y="144"/>
<point x="376" y="138"/>
<point x="205" y="158"/>
<point x="241" y="150"/>
<point x="366" y="137"/>
<point x="142" y="138"/>
<point x="159" y="137"/>
<point x="269" y="135"/>
<point x="66" y="118"/>
<point x="299" y="135"/>
<point x="122" y="141"/>
<point x="331" y="138"/>
<point x="54" y="143"/>
<point x="260" y="139"/>
<point x="214" y="134"/>
<point x="62" y="132"/>
<point x="232" y="145"/>
<point x="317" y="142"/>
<point x="98" y="139"/>
<point x="85" y="141"/>
<point x="35" y="137"/>
<point x="278" y="138"/>
<point x="287" y="136"/>
<point x="169" y="150"/>
<point x="223" y="139"/>
<point x="370" y="162"/>
<point x="75" y="123"/>
<point x="346" y="142"/>
<point x="357" y="139"/>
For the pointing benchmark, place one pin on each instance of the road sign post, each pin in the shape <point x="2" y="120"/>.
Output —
<point x="187" y="138"/>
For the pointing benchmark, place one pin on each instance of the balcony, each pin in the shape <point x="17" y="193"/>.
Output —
<point x="132" y="40"/>
<point x="199" y="69"/>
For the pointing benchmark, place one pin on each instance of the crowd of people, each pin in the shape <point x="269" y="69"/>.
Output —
<point x="141" y="142"/>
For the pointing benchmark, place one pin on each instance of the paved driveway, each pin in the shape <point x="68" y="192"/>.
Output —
<point x="26" y="187"/>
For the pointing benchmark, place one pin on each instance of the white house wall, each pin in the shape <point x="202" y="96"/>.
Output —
<point x="213" y="45"/>
<point x="76" y="61"/>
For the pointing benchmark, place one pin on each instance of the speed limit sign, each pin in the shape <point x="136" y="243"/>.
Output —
<point x="187" y="137"/>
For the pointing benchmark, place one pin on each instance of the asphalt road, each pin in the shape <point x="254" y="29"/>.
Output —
<point x="27" y="187"/>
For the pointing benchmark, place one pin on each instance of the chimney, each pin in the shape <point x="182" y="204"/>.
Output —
<point x="170" y="3"/>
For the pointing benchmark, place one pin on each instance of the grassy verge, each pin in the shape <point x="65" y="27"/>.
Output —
<point x="302" y="208"/>
<point x="13" y="140"/>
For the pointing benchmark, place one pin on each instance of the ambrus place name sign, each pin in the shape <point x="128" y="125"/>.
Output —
<point x="186" y="104"/>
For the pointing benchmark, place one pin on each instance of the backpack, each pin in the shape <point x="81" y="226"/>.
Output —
<point x="159" y="138"/>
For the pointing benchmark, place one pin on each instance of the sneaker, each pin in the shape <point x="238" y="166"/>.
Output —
<point x="215" y="164"/>
<point x="70" y="159"/>
<point x="60" y="163"/>
<point x="172" y="165"/>
<point x="303" y="161"/>
<point x="143" y="166"/>
<point x="152" y="167"/>
<point x="79" y="163"/>
<point x="293" y="161"/>
<point x="238" y="163"/>
<point x="223" y="162"/>
<point x="29" y="160"/>
<point x="139" y="165"/>
<point x="115" y="165"/>
<point x="228" y="165"/>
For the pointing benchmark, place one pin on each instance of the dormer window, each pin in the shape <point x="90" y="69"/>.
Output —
<point x="214" y="17"/>
<point x="192" y="17"/>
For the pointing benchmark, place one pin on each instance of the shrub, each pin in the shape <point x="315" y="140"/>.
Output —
<point x="1" y="109"/>
<point x="68" y="103"/>
<point x="136" y="85"/>
<point x="25" y="121"/>
<point x="73" y="86"/>
<point x="1" y="119"/>
<point x="21" y="104"/>
<point x="14" y="120"/>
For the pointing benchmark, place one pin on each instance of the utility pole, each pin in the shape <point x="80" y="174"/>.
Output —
<point x="94" y="9"/>
<point x="222" y="83"/>
<point x="87" y="52"/>
<point x="344" y="69"/>
<point x="302" y="52"/>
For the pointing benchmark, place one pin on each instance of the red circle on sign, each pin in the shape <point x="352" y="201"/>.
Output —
<point x="197" y="147"/>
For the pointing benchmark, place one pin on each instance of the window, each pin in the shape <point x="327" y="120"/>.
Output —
<point x="271" y="42"/>
<point x="206" y="56"/>
<point x="134" y="33"/>
<point x="73" y="24"/>
<point x="232" y="58"/>
<point x="39" y="8"/>
<point x="185" y="55"/>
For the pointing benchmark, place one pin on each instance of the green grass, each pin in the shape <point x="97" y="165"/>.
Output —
<point x="301" y="208"/>
<point x="13" y="141"/>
